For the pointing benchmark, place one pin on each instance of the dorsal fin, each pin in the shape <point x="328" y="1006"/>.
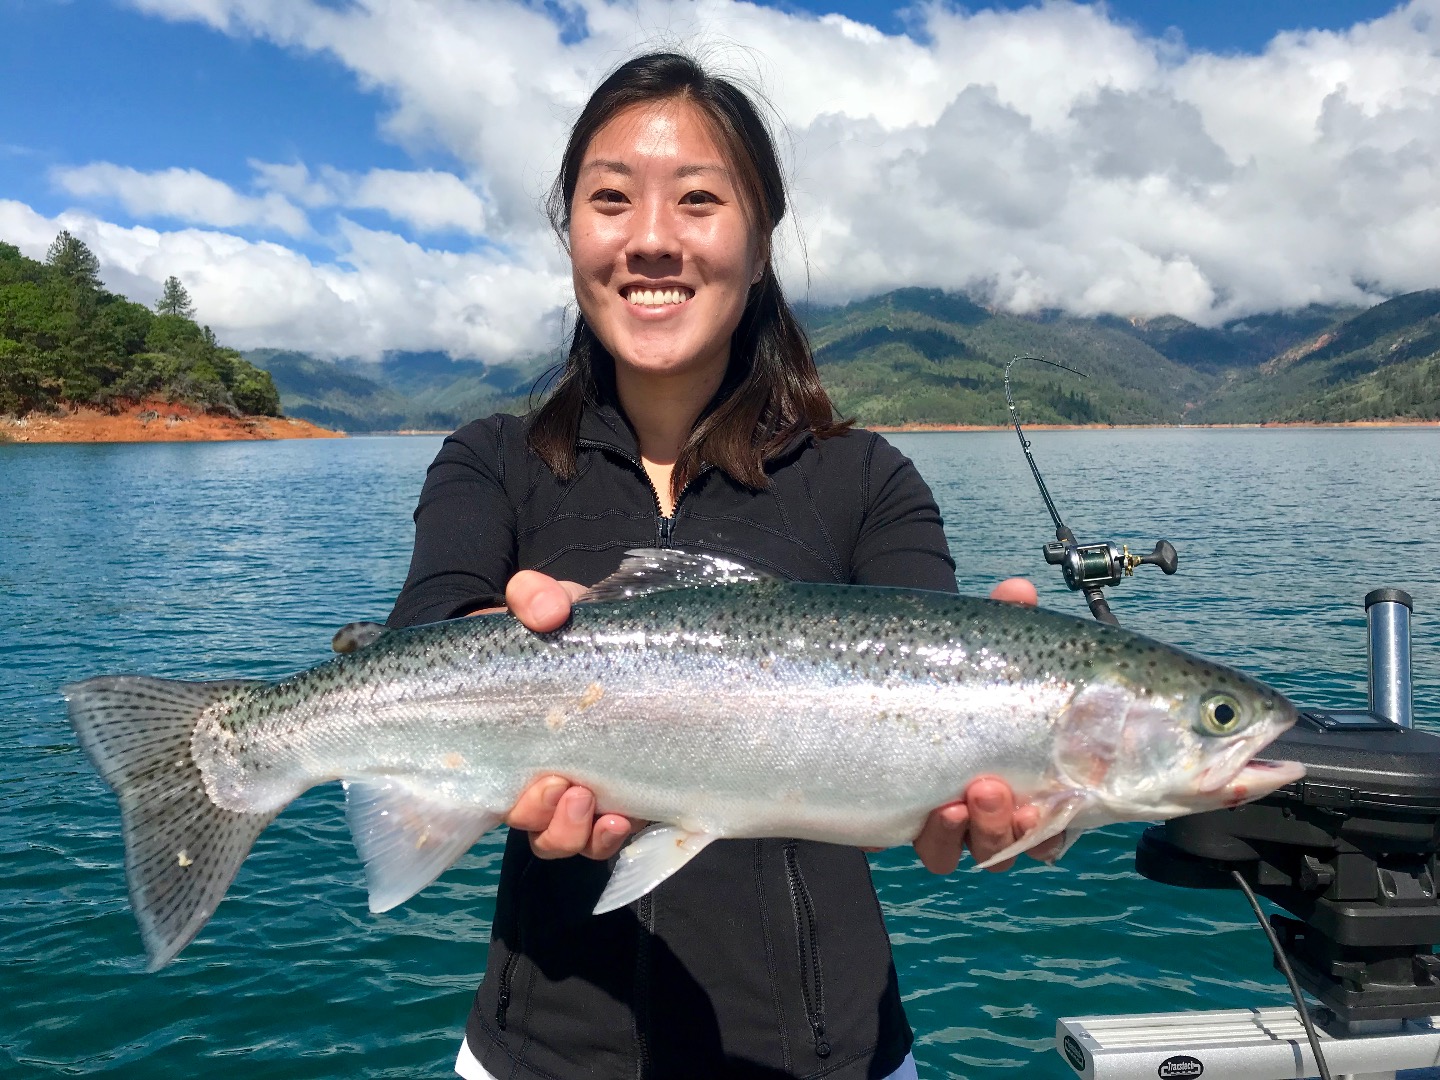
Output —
<point x="652" y="570"/>
<point x="352" y="637"/>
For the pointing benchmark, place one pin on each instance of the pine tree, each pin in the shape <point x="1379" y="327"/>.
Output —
<point x="175" y="300"/>
<point x="76" y="262"/>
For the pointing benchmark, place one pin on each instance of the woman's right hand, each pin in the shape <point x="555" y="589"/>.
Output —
<point x="559" y="816"/>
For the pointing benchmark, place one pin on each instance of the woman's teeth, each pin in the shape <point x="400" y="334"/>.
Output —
<point x="658" y="297"/>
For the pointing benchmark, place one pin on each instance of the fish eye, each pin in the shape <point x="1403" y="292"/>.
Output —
<point x="1220" y="714"/>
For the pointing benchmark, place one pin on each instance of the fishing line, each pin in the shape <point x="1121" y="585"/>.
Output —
<point x="1289" y="975"/>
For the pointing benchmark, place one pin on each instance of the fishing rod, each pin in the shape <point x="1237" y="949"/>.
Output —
<point x="1088" y="568"/>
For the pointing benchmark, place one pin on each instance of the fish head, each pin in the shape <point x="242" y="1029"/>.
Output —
<point x="1163" y="733"/>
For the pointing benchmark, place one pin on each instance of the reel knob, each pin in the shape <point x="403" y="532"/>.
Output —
<point x="1164" y="556"/>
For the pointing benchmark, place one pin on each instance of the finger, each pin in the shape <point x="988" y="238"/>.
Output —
<point x="570" y="829"/>
<point x="992" y="819"/>
<point x="538" y="600"/>
<point x="942" y="840"/>
<point x="1016" y="590"/>
<point x="536" y="805"/>
<point x="608" y="835"/>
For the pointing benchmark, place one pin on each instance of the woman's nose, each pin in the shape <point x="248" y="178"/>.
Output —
<point x="654" y="236"/>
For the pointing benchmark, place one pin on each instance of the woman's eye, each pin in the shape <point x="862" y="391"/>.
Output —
<point x="698" y="198"/>
<point x="609" y="196"/>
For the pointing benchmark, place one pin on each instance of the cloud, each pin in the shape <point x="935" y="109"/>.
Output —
<point x="429" y="201"/>
<point x="1044" y="157"/>
<point x="182" y="195"/>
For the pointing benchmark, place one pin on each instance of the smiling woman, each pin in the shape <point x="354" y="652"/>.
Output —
<point x="667" y="197"/>
<point x="689" y="413"/>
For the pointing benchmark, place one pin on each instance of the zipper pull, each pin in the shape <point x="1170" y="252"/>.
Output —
<point x="665" y="527"/>
<point x="822" y="1046"/>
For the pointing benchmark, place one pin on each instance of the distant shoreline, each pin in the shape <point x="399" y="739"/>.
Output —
<point x="182" y="423"/>
<point x="920" y="429"/>
<point x="153" y="422"/>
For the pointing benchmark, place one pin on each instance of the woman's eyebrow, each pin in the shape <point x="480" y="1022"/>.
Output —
<point x="604" y="165"/>
<point x="683" y="172"/>
<point x="699" y="169"/>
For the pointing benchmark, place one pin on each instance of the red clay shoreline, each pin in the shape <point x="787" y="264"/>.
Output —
<point x="152" y="421"/>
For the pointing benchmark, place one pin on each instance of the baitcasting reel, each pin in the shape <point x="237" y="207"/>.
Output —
<point x="1088" y="568"/>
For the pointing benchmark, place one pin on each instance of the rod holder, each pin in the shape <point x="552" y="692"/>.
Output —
<point x="1387" y="611"/>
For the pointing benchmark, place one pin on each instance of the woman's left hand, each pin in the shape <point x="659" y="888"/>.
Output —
<point x="987" y="819"/>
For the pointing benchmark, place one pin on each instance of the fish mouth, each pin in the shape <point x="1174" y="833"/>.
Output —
<point x="1257" y="779"/>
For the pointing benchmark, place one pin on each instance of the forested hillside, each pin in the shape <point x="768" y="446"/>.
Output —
<point x="1383" y="363"/>
<point x="65" y="339"/>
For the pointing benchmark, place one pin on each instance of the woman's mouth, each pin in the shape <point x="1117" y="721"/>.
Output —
<point x="657" y="298"/>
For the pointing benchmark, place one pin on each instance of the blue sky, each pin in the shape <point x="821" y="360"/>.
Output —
<point x="300" y="144"/>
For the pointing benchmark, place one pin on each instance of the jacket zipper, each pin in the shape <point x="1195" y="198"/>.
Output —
<point x="664" y="526"/>
<point x="502" y="998"/>
<point x="807" y="941"/>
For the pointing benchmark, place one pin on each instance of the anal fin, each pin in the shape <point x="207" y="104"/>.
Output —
<point x="646" y="861"/>
<point x="405" y="840"/>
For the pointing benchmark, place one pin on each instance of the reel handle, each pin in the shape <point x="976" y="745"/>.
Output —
<point x="1164" y="556"/>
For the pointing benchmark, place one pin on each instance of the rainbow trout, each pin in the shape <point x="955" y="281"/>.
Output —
<point x="689" y="691"/>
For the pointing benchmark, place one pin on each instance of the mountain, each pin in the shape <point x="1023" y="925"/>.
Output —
<point x="1241" y="343"/>
<point x="1383" y="363"/>
<point x="924" y="356"/>
<point x="916" y="356"/>
<point x="403" y="391"/>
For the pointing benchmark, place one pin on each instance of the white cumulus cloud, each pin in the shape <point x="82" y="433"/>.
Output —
<point x="182" y="194"/>
<point x="428" y="200"/>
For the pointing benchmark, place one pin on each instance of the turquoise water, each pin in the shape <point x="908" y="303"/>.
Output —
<point x="206" y="561"/>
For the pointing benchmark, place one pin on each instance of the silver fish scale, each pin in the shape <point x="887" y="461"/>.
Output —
<point x="757" y="709"/>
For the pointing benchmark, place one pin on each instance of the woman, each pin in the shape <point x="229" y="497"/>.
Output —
<point x="689" y="414"/>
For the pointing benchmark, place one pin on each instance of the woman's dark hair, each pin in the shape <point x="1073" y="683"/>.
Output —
<point x="771" y="390"/>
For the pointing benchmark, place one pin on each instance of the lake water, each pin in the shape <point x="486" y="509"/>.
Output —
<point x="240" y="559"/>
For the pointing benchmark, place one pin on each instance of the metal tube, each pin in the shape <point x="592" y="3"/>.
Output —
<point x="1391" y="696"/>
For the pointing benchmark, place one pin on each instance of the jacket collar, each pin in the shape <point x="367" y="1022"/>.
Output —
<point x="604" y="426"/>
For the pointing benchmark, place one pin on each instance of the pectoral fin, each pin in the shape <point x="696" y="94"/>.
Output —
<point x="406" y="841"/>
<point x="1056" y="814"/>
<point x="648" y="860"/>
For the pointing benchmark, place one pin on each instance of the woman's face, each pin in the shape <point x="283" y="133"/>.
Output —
<point x="661" y="248"/>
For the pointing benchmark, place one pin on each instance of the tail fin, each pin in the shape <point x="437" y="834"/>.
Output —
<point x="181" y="850"/>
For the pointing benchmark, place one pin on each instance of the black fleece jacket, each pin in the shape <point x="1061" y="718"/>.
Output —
<point x="762" y="958"/>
